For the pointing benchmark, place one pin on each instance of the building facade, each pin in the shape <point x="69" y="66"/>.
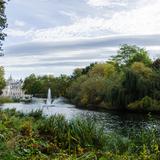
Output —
<point x="13" y="89"/>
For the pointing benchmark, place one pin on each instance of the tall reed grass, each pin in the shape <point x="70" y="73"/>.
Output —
<point x="34" y="136"/>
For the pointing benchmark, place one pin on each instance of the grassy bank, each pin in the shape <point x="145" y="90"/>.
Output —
<point x="33" y="136"/>
<point x="6" y="100"/>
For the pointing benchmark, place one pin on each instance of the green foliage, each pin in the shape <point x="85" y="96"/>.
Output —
<point x="92" y="91"/>
<point x="37" y="114"/>
<point x="102" y="70"/>
<point x="5" y="100"/>
<point x="25" y="137"/>
<point x="140" y="69"/>
<point x="126" y="78"/>
<point x="77" y="73"/>
<point x="2" y="80"/>
<point x="129" y="54"/>
<point x="145" y="104"/>
<point x="38" y="85"/>
<point x="156" y="64"/>
<point x="137" y="83"/>
<point x="3" y="25"/>
<point x="3" y="22"/>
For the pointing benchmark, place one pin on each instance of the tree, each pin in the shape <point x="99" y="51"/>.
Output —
<point x="3" y="23"/>
<point x="102" y="70"/>
<point x="129" y="54"/>
<point x="29" y="83"/>
<point x="156" y="64"/>
<point x="61" y="85"/>
<point x="77" y="73"/>
<point x="92" y="91"/>
<point x="88" y="68"/>
<point x="2" y="79"/>
<point x="73" y="91"/>
<point x="114" y="92"/>
<point x="137" y="82"/>
<point x="142" y="70"/>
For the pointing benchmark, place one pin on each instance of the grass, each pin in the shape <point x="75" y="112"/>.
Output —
<point x="5" y="100"/>
<point x="34" y="136"/>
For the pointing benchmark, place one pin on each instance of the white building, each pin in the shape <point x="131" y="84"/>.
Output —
<point x="13" y="89"/>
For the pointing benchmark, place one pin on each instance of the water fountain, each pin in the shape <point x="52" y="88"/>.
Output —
<point x="49" y="99"/>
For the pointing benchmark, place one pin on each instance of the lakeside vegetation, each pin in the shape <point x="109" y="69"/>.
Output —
<point x="129" y="80"/>
<point x="33" y="136"/>
<point x="6" y="100"/>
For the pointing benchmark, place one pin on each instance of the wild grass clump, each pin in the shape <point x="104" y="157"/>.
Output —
<point x="34" y="136"/>
<point x="54" y="129"/>
<point x="72" y="134"/>
<point x="37" y="114"/>
<point x="6" y="100"/>
<point x="86" y="133"/>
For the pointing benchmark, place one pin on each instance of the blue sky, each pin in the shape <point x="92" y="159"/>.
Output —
<point x="56" y="36"/>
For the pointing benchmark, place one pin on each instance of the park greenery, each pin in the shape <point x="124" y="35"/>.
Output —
<point x="129" y="80"/>
<point x="2" y="79"/>
<point x="34" y="136"/>
<point x="6" y="100"/>
<point x="3" y="23"/>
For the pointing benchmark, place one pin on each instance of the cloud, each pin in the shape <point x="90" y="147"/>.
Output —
<point x="19" y="33"/>
<point x="76" y="33"/>
<point x="143" y="19"/>
<point x="19" y="23"/>
<point x="43" y="48"/>
<point x="59" y="64"/>
<point x="103" y="3"/>
<point x="73" y="16"/>
<point x="62" y="57"/>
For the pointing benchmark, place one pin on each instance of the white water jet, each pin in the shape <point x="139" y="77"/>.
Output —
<point x="49" y="97"/>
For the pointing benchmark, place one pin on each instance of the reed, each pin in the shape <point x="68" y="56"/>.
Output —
<point x="34" y="136"/>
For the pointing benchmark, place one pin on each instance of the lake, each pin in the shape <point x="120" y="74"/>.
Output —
<point x="112" y="121"/>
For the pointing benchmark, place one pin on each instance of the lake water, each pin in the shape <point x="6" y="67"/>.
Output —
<point x="112" y="121"/>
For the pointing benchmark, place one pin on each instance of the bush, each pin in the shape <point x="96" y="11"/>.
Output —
<point x="145" y="104"/>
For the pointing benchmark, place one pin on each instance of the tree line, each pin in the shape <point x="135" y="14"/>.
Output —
<point x="129" y="80"/>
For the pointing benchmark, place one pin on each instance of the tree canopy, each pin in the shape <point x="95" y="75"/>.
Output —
<point x="128" y="80"/>
<point x="129" y="54"/>
<point x="3" y="23"/>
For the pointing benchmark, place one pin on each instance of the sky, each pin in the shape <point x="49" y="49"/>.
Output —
<point x="57" y="36"/>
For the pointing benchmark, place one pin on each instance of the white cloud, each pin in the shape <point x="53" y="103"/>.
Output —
<point x="143" y="19"/>
<point x="103" y="3"/>
<point x="19" y="23"/>
<point x="82" y="28"/>
<point x="19" y="33"/>
<point x="70" y="14"/>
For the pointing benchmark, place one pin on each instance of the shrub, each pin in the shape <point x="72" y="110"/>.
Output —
<point x="145" y="104"/>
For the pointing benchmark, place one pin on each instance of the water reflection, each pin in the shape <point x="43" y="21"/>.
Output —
<point x="119" y="122"/>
